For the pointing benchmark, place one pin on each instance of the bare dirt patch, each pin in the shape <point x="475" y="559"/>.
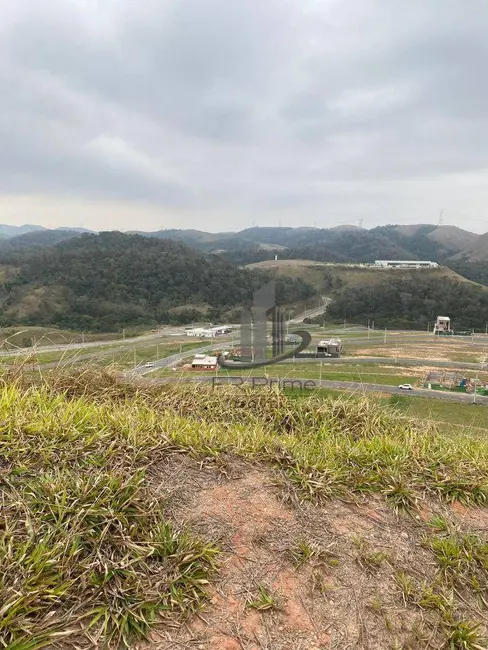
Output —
<point x="329" y="572"/>
<point x="433" y="351"/>
<point x="283" y="263"/>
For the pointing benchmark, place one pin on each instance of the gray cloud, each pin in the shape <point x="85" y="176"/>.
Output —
<point x="301" y="111"/>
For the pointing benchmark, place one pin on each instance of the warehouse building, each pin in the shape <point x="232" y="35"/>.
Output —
<point x="209" y="332"/>
<point x="405" y="264"/>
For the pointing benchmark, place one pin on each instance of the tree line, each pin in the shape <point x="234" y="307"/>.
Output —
<point x="412" y="302"/>
<point x="112" y="280"/>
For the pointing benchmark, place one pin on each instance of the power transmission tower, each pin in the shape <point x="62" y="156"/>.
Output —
<point x="441" y="218"/>
<point x="360" y="223"/>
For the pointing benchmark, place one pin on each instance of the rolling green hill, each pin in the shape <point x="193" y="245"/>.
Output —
<point x="399" y="298"/>
<point x="107" y="281"/>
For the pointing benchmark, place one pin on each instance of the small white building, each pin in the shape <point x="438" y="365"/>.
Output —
<point x="209" y="332"/>
<point x="201" y="332"/>
<point x="204" y="362"/>
<point x="221" y="329"/>
<point x="329" y="348"/>
<point x="443" y="324"/>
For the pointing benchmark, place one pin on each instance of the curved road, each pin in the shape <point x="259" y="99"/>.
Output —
<point x="324" y="383"/>
<point x="311" y="313"/>
<point x="61" y="347"/>
<point x="166" y="362"/>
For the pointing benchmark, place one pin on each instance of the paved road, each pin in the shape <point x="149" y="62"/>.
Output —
<point x="337" y="385"/>
<point x="169" y="331"/>
<point x="167" y="362"/>
<point x="389" y="361"/>
<point x="222" y="343"/>
<point x="140" y="369"/>
<point x="79" y="346"/>
<point x="479" y="340"/>
<point x="311" y="313"/>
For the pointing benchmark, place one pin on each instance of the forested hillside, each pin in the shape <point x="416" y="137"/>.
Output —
<point x="106" y="281"/>
<point x="412" y="301"/>
<point x="475" y="271"/>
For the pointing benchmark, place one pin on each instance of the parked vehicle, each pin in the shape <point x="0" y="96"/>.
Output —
<point x="406" y="387"/>
<point x="149" y="364"/>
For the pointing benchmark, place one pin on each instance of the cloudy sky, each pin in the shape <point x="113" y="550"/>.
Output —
<point x="217" y="114"/>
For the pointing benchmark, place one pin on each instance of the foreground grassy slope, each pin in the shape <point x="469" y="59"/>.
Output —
<point x="90" y="551"/>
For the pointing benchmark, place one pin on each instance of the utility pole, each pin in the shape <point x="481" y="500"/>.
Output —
<point x="123" y="332"/>
<point x="83" y="338"/>
<point x="385" y="334"/>
<point x="475" y="386"/>
<point x="135" y="359"/>
<point x="157" y="351"/>
<point x="344" y="323"/>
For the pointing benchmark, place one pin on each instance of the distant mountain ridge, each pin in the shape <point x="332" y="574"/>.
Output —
<point x="36" y="238"/>
<point x="338" y="243"/>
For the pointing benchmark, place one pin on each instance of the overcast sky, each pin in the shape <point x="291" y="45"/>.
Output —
<point x="214" y="114"/>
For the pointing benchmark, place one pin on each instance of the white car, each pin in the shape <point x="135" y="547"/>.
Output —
<point x="406" y="387"/>
<point x="149" y="364"/>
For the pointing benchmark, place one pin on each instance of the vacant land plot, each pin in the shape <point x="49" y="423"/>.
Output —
<point x="448" y="416"/>
<point x="362" y="374"/>
<point x="433" y="349"/>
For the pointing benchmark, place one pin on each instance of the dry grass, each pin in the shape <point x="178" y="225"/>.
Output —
<point x="88" y="554"/>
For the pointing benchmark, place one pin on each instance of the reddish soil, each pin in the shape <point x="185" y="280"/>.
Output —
<point x="337" y="599"/>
